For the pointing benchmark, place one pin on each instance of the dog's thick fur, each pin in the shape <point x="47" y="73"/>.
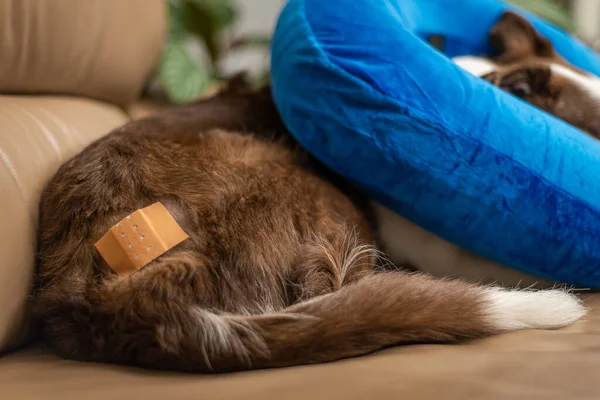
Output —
<point x="279" y="268"/>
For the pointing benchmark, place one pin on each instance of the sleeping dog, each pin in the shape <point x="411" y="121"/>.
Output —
<point x="528" y="66"/>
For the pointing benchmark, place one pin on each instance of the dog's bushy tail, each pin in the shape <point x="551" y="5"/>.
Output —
<point x="392" y="308"/>
<point x="151" y="319"/>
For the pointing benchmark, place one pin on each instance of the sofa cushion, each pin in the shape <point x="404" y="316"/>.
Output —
<point x="37" y="134"/>
<point x="104" y="49"/>
<point x="531" y="365"/>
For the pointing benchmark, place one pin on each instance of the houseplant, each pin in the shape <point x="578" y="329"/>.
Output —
<point x="183" y="75"/>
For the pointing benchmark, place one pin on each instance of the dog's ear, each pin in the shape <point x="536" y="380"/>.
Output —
<point x="491" y="77"/>
<point x="526" y="82"/>
<point x="514" y="38"/>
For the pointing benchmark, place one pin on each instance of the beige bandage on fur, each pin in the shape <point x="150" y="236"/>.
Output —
<point x="139" y="239"/>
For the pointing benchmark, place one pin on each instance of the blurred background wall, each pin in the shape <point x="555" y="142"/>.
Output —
<point x="586" y="17"/>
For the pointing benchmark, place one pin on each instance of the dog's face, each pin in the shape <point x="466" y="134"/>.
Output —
<point x="527" y="65"/>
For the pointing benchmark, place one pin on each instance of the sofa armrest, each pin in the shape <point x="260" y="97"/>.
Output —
<point x="37" y="134"/>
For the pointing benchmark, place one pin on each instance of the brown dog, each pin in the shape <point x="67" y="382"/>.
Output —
<point x="528" y="66"/>
<point x="278" y="269"/>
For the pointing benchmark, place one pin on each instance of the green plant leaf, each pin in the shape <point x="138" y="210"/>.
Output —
<point x="222" y="12"/>
<point x="182" y="79"/>
<point x="199" y="23"/>
<point x="549" y="10"/>
<point x="207" y="19"/>
<point x="177" y="28"/>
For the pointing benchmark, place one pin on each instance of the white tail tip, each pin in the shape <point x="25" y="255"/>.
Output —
<point x="511" y="310"/>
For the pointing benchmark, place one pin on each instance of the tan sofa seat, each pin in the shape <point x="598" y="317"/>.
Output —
<point x="531" y="365"/>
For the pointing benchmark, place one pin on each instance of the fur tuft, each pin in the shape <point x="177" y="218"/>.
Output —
<point x="510" y="310"/>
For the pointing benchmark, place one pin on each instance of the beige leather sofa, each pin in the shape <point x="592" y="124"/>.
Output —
<point x="70" y="71"/>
